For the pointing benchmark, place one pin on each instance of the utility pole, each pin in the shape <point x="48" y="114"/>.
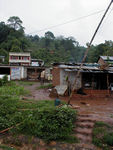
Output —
<point x="88" y="48"/>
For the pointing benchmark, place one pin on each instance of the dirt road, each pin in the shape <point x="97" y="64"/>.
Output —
<point x="37" y="94"/>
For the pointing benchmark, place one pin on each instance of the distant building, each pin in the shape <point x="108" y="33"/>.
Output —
<point x="37" y="62"/>
<point x="20" y="59"/>
<point x="104" y="60"/>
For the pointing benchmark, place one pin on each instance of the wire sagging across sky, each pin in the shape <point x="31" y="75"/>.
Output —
<point x="67" y="22"/>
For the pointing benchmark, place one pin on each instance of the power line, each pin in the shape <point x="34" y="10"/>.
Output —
<point x="104" y="22"/>
<point x="70" y="21"/>
<point x="87" y="50"/>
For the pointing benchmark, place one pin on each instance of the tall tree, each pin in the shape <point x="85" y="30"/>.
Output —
<point x="15" y="22"/>
<point x="49" y="35"/>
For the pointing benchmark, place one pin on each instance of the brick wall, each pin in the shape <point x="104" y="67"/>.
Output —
<point x="101" y="61"/>
<point x="56" y="76"/>
<point x="96" y="92"/>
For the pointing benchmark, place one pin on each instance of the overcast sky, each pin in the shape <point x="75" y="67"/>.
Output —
<point x="40" y="14"/>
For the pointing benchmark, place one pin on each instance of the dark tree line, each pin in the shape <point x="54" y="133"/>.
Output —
<point x="49" y="48"/>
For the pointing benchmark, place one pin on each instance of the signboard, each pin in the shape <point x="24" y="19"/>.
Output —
<point x="16" y="73"/>
<point x="34" y="64"/>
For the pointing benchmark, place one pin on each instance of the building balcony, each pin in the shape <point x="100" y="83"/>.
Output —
<point x="19" y="61"/>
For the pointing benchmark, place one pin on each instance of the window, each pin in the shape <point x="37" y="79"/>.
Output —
<point x="13" y="57"/>
<point x="25" y="58"/>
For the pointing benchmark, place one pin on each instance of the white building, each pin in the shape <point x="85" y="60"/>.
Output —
<point x="20" y="59"/>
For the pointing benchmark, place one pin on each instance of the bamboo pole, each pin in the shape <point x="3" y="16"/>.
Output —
<point x="85" y="55"/>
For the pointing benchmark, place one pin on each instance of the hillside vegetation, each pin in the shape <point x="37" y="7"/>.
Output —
<point x="49" y="48"/>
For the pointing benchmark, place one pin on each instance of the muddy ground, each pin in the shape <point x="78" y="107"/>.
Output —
<point x="101" y="108"/>
<point x="37" y="94"/>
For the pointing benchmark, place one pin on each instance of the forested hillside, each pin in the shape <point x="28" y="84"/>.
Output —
<point x="49" y="48"/>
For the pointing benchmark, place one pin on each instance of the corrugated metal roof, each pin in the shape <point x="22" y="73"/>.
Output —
<point x="107" y="58"/>
<point x="94" y="68"/>
<point x="78" y="67"/>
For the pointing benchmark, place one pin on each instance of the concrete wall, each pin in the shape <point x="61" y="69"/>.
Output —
<point x="25" y="73"/>
<point x="18" y="73"/>
<point x="59" y="77"/>
<point x="71" y="78"/>
<point x="48" y="74"/>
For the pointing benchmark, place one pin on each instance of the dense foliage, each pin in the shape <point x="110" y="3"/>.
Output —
<point x="41" y="119"/>
<point x="49" y="124"/>
<point x="4" y="80"/>
<point x="103" y="135"/>
<point x="49" y="48"/>
<point x="9" y="97"/>
<point x="103" y="49"/>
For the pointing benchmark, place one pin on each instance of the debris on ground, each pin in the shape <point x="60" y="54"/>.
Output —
<point x="53" y="93"/>
<point x="61" y="89"/>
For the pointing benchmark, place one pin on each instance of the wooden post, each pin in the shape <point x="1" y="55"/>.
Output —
<point x="108" y="83"/>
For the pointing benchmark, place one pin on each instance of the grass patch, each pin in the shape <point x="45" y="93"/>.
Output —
<point x="4" y="147"/>
<point x="12" y="89"/>
<point x="103" y="135"/>
<point x="47" y="86"/>
<point x="26" y="83"/>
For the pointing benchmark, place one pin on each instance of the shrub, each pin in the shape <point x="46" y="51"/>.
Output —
<point x="108" y="139"/>
<point x="40" y="118"/>
<point x="4" y="80"/>
<point x="49" y="124"/>
<point x="103" y="135"/>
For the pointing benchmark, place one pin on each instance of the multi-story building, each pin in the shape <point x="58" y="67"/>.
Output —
<point x="20" y="59"/>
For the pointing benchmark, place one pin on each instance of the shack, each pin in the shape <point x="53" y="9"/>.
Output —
<point x="91" y="79"/>
<point x="34" y="72"/>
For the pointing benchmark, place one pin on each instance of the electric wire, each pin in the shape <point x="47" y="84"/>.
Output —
<point x="67" y="22"/>
<point x="105" y="21"/>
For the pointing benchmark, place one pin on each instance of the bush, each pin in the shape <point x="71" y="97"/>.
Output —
<point x="4" y="80"/>
<point x="108" y="139"/>
<point x="49" y="124"/>
<point x="41" y="119"/>
<point x="9" y="99"/>
<point x="103" y="135"/>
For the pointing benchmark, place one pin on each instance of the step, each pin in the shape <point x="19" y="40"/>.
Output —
<point x="84" y="115"/>
<point x="84" y="131"/>
<point x="87" y="119"/>
<point x="84" y="138"/>
<point x="85" y="124"/>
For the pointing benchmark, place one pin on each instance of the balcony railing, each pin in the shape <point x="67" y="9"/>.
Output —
<point x="19" y="61"/>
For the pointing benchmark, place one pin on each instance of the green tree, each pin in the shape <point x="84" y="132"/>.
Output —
<point x="49" y="35"/>
<point x="16" y="46"/>
<point x="15" y="22"/>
